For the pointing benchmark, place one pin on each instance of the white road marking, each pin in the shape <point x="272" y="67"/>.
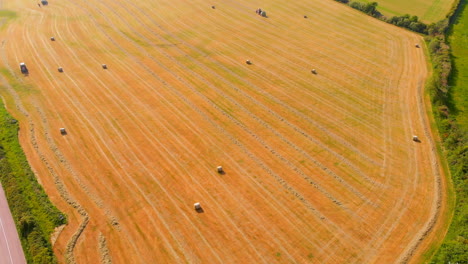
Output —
<point x="6" y="241"/>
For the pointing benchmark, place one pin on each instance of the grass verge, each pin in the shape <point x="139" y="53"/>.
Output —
<point x="450" y="99"/>
<point x="34" y="215"/>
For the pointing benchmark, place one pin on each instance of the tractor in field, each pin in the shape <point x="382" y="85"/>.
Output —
<point x="24" y="69"/>
<point x="198" y="207"/>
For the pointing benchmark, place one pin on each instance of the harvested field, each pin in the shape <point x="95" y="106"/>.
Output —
<point x="318" y="167"/>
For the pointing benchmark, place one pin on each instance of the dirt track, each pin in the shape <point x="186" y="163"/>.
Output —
<point x="319" y="167"/>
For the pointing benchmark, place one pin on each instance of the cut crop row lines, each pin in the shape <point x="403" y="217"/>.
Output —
<point x="277" y="134"/>
<point x="150" y="70"/>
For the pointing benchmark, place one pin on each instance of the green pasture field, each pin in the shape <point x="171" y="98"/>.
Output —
<point x="428" y="11"/>
<point x="459" y="79"/>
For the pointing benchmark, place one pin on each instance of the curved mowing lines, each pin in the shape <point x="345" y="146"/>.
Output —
<point x="248" y="17"/>
<point x="121" y="104"/>
<point x="213" y="73"/>
<point x="72" y="101"/>
<point x="61" y="188"/>
<point x="72" y="241"/>
<point x="333" y="12"/>
<point x="348" y="143"/>
<point x="187" y="120"/>
<point x="258" y="161"/>
<point x="420" y="115"/>
<point x="148" y="130"/>
<point x="400" y="201"/>
<point x="255" y="108"/>
<point x="412" y="170"/>
<point x="437" y="206"/>
<point x="409" y="44"/>
<point x="398" y="209"/>
<point x="78" y="110"/>
<point x="228" y="70"/>
<point x="58" y="153"/>
<point x="319" y="165"/>
<point x="289" y="143"/>
<point x="203" y="97"/>
<point x="168" y="245"/>
<point x="276" y="52"/>
<point x="227" y="190"/>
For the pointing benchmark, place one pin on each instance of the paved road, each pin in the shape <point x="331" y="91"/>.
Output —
<point x="11" y="251"/>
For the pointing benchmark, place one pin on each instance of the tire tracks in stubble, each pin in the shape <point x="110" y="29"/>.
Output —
<point x="390" y="223"/>
<point x="61" y="188"/>
<point x="121" y="104"/>
<point x="79" y="109"/>
<point x="258" y="138"/>
<point x="276" y="52"/>
<point x="437" y="204"/>
<point x="148" y="172"/>
<point x="271" y="198"/>
<point x="226" y="190"/>
<point x="337" y="138"/>
<point x="234" y="140"/>
<point x="270" y="111"/>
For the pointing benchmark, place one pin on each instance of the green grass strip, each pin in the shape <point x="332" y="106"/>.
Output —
<point x="34" y="215"/>
<point x="451" y="112"/>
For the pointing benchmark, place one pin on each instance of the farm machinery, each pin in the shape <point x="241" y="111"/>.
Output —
<point x="24" y="69"/>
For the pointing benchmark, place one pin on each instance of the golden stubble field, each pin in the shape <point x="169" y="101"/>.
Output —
<point x="320" y="168"/>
